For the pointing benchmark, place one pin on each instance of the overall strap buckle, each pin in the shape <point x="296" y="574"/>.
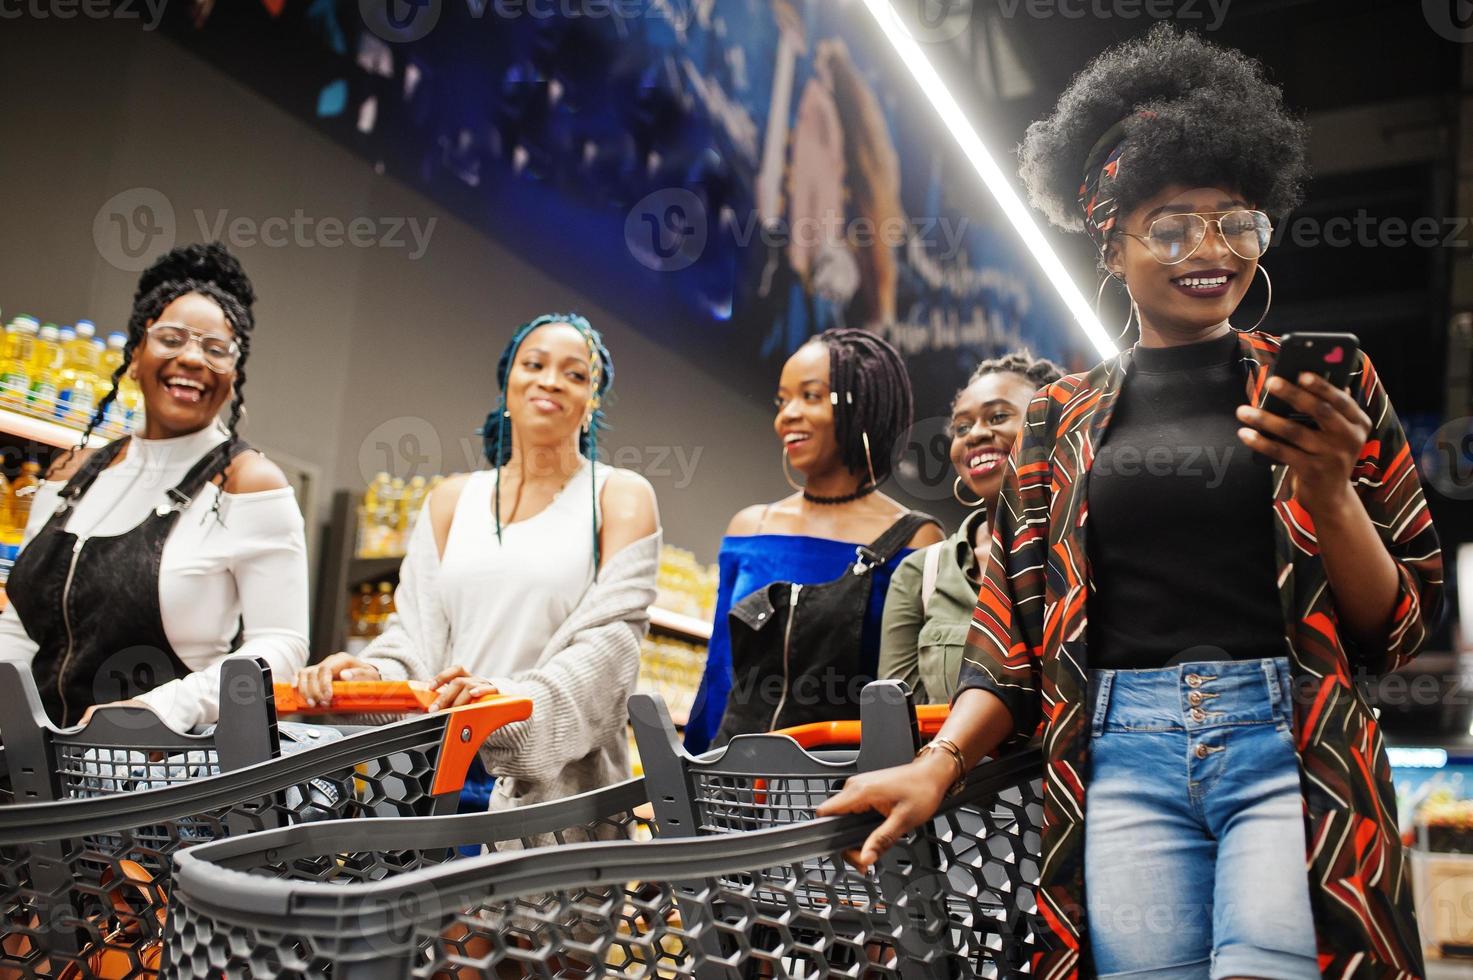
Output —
<point x="180" y="501"/>
<point x="866" y="560"/>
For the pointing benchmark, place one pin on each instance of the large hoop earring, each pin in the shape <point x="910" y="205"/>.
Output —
<point x="787" y="474"/>
<point x="1132" y="314"/>
<point x="868" y="461"/>
<point x="956" y="491"/>
<point x="1270" y="284"/>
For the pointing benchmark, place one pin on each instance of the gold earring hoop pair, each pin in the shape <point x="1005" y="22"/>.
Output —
<point x="1135" y="313"/>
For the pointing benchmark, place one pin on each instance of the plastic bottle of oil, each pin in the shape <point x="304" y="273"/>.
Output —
<point x="74" y="396"/>
<point x="15" y="375"/>
<point x="45" y="372"/>
<point x="22" y="489"/>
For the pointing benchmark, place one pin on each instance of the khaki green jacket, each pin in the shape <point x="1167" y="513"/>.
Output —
<point x="923" y="644"/>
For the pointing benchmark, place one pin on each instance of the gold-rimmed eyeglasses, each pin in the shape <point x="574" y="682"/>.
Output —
<point x="1174" y="238"/>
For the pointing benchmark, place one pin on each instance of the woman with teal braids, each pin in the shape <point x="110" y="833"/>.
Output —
<point x="533" y="577"/>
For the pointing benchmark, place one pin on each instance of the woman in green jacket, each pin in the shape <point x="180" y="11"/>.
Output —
<point x="934" y="590"/>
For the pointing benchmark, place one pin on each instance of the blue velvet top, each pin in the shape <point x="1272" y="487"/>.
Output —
<point x="749" y="562"/>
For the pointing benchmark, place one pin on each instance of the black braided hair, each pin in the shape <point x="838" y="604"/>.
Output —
<point x="871" y="395"/>
<point x="211" y="271"/>
<point x="1037" y="371"/>
<point x="496" y="433"/>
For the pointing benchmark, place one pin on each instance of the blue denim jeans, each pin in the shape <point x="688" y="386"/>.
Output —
<point x="1195" y="860"/>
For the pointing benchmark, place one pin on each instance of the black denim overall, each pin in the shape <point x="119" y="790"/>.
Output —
<point x="796" y="650"/>
<point x="92" y="604"/>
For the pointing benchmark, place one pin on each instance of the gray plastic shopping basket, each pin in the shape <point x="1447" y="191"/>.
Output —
<point x="375" y="899"/>
<point x="85" y="862"/>
<point x="123" y="748"/>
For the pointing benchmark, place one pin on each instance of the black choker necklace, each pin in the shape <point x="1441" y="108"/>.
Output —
<point x="863" y="491"/>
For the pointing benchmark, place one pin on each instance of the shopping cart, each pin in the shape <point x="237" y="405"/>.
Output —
<point x="760" y="782"/>
<point x="85" y="859"/>
<point x="104" y="757"/>
<point x="385" y="898"/>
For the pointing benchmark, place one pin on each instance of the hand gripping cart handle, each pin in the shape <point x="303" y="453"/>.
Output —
<point x="118" y="813"/>
<point x="390" y="898"/>
<point x="359" y="697"/>
<point x="381" y="899"/>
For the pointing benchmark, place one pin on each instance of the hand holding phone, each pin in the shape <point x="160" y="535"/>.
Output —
<point x="1330" y="355"/>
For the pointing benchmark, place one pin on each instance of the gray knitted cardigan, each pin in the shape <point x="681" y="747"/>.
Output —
<point x="576" y="739"/>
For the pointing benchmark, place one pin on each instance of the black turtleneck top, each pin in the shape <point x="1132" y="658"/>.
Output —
<point x="1180" y="535"/>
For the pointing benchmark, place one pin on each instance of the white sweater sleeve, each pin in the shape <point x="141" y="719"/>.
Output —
<point x="269" y="564"/>
<point x="415" y="643"/>
<point x="15" y="643"/>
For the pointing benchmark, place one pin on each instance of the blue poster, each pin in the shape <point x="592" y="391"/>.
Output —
<point x="732" y="177"/>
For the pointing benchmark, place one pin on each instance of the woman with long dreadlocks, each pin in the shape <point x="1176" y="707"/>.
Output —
<point x="145" y="559"/>
<point x="803" y="579"/>
<point x="532" y="578"/>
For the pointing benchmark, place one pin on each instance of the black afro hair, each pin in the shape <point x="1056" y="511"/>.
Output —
<point x="1214" y="120"/>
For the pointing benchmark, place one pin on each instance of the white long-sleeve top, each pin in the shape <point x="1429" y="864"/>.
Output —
<point x="248" y="566"/>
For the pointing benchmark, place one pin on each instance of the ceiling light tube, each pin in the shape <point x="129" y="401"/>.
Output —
<point x="997" y="183"/>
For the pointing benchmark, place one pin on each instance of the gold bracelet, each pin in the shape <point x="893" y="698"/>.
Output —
<point x="950" y="748"/>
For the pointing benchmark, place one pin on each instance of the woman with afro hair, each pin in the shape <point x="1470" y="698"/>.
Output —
<point x="1182" y="619"/>
<point x="150" y="560"/>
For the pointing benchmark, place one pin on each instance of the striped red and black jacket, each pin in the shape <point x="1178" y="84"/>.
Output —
<point x="1027" y="645"/>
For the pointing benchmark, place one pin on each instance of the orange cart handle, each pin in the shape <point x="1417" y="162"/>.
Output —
<point x="466" y="727"/>
<point x="838" y="734"/>
<point x="358" y="697"/>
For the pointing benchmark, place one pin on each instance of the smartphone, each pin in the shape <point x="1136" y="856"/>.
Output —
<point x="1330" y="355"/>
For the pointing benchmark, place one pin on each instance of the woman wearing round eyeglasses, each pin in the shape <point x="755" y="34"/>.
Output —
<point x="1186" y="623"/>
<point x="150" y="560"/>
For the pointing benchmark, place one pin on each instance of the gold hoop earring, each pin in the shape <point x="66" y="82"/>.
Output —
<point x="798" y="487"/>
<point x="1134" y="312"/>
<point x="868" y="461"/>
<point x="1270" y="284"/>
<point x="956" y="491"/>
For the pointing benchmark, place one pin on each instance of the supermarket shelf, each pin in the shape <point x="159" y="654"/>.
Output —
<point x="42" y="431"/>
<point x="363" y="569"/>
<point x="680" y="626"/>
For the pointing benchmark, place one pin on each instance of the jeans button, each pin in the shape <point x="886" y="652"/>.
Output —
<point x="1195" y="698"/>
<point x="1201" y="752"/>
<point x="1194" y="680"/>
<point x="1199" y="715"/>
